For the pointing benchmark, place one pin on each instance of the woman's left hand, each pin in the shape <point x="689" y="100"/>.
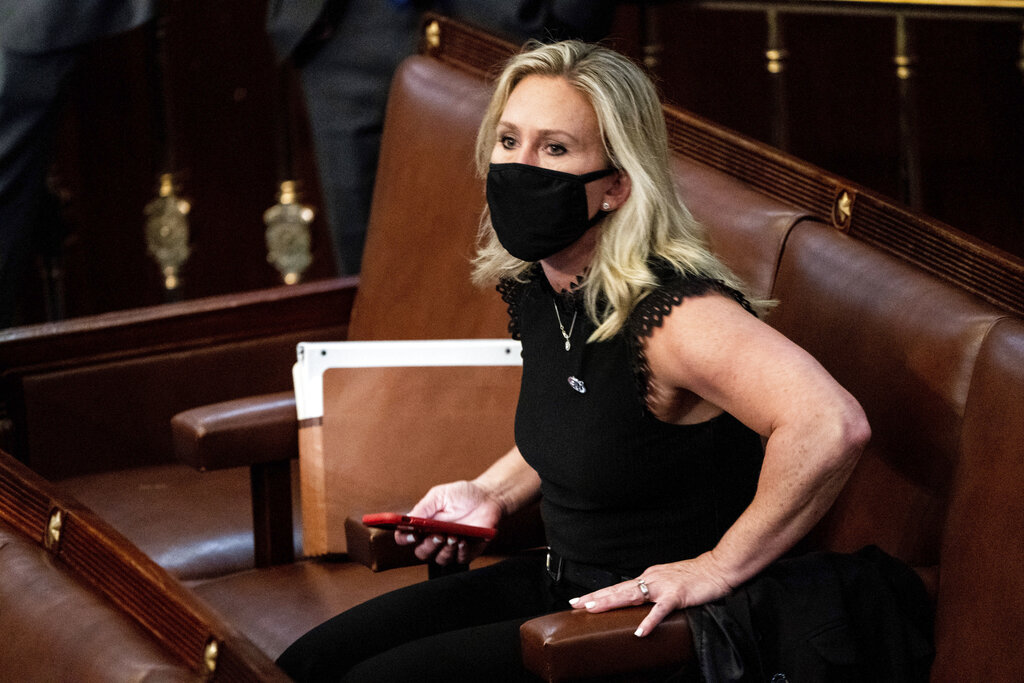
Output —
<point x="669" y="587"/>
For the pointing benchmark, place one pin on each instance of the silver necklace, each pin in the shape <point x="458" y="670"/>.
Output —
<point x="574" y="382"/>
<point x="565" y="335"/>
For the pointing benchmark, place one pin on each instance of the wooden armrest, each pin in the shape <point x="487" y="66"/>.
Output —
<point x="576" y="644"/>
<point x="376" y="548"/>
<point x="234" y="433"/>
<point x="260" y="432"/>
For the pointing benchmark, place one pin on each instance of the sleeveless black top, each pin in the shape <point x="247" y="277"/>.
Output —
<point x="620" y="488"/>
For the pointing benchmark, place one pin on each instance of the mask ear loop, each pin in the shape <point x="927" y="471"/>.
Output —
<point x="605" y="206"/>
<point x="596" y="175"/>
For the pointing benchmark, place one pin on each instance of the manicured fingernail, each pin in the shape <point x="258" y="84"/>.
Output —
<point x="452" y="540"/>
<point x="437" y="540"/>
<point x="590" y="604"/>
<point x="411" y="538"/>
<point x="573" y="601"/>
<point x="639" y="633"/>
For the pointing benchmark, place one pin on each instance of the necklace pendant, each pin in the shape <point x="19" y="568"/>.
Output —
<point x="561" y="328"/>
<point x="577" y="384"/>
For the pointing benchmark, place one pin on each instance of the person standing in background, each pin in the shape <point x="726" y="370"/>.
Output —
<point x="346" y="52"/>
<point x="41" y="41"/>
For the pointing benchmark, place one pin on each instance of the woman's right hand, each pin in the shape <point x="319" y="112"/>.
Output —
<point x="464" y="502"/>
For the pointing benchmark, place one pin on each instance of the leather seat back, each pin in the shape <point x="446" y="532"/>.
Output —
<point x="415" y="281"/>
<point x="745" y="228"/>
<point x="57" y="629"/>
<point x="980" y="615"/>
<point x="905" y="345"/>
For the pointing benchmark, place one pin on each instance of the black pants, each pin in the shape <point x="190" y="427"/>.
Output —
<point x="463" y="627"/>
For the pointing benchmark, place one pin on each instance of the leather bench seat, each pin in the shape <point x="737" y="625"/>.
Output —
<point x="194" y="524"/>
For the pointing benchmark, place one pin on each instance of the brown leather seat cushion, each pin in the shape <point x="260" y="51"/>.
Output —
<point x="276" y="605"/>
<point x="194" y="524"/>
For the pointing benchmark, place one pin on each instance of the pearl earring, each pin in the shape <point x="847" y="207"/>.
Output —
<point x="606" y="206"/>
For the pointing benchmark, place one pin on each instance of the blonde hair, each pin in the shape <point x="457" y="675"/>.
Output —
<point x="652" y="224"/>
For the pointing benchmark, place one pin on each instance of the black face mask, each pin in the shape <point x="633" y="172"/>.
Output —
<point x="537" y="212"/>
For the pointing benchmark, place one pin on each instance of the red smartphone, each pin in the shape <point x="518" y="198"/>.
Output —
<point x="422" y="525"/>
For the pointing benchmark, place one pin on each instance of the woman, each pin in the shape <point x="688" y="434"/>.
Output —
<point x="648" y="385"/>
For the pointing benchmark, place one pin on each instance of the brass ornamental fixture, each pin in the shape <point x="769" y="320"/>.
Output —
<point x="51" y="539"/>
<point x="167" y="232"/>
<point x="775" y="62"/>
<point x="775" y="53"/>
<point x="432" y="34"/>
<point x="288" y="234"/>
<point x="210" y="654"/>
<point x="842" y="210"/>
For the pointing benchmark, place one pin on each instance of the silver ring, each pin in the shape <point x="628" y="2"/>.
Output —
<point x="642" y="585"/>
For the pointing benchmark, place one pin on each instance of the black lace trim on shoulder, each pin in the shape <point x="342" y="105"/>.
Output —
<point x="511" y="292"/>
<point x="650" y="314"/>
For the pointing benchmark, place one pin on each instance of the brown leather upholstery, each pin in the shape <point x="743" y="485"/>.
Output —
<point x="260" y="432"/>
<point x="571" y="645"/>
<point x="212" y="533"/>
<point x="78" y="602"/>
<point x="426" y="207"/>
<point x="90" y="400"/>
<point x="96" y="394"/>
<point x="905" y="345"/>
<point x="237" y="433"/>
<point x="745" y="228"/>
<point x="56" y="628"/>
<point x="911" y="347"/>
<point x="276" y="605"/>
<point x="980" y="613"/>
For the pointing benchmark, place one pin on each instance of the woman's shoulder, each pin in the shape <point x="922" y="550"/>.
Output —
<point x="672" y="289"/>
